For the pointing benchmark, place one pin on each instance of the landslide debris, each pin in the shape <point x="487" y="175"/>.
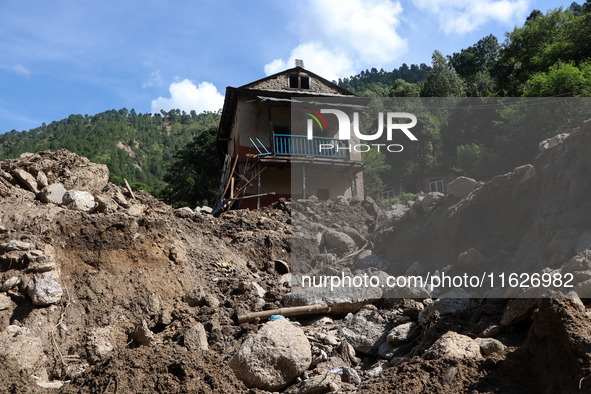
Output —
<point x="123" y="294"/>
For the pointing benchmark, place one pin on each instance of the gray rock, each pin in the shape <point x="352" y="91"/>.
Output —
<point x="79" y="200"/>
<point x="106" y="204"/>
<point x="378" y="369"/>
<point x="53" y="193"/>
<point x="402" y="333"/>
<point x="26" y="179"/>
<point x="368" y="258"/>
<point x="431" y="201"/>
<point x="195" y="338"/>
<point x="366" y="330"/>
<point x="490" y="346"/>
<point x="338" y="241"/>
<point x="273" y="357"/>
<point x="454" y="346"/>
<point x="462" y="186"/>
<point x="46" y="291"/>
<point x="550" y="143"/>
<point x="390" y="217"/>
<point x="15" y="245"/>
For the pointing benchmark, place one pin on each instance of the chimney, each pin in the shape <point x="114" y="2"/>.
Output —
<point x="299" y="63"/>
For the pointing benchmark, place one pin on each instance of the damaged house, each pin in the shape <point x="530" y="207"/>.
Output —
<point x="268" y="154"/>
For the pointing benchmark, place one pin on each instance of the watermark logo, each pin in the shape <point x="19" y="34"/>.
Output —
<point x="345" y="125"/>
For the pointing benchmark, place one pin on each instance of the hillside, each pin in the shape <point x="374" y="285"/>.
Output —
<point x="138" y="147"/>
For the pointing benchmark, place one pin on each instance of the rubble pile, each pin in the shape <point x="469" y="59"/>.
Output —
<point x="102" y="290"/>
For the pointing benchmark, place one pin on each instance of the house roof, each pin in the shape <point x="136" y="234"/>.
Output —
<point x="250" y="91"/>
<point x="298" y="69"/>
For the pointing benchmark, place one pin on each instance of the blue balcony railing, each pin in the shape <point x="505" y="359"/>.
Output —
<point x="300" y="145"/>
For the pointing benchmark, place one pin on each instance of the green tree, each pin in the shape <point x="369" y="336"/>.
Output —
<point x="442" y="81"/>
<point x="193" y="177"/>
<point x="562" y="79"/>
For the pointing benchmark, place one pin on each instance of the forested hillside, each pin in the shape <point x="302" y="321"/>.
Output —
<point x="138" y="147"/>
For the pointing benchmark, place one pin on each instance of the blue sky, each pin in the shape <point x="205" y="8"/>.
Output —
<point x="65" y="57"/>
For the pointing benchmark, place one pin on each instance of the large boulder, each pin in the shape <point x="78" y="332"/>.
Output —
<point x="53" y="193"/>
<point x="462" y="186"/>
<point x="338" y="241"/>
<point x="550" y="143"/>
<point x="273" y="357"/>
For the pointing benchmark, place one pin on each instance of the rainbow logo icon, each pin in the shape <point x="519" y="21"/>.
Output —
<point x="318" y="118"/>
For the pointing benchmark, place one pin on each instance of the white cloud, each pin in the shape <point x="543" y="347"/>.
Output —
<point x="339" y="37"/>
<point x="324" y="62"/>
<point x="185" y="96"/>
<point x="459" y="16"/>
<point x="21" y="70"/>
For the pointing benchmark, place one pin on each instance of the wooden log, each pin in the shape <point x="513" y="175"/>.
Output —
<point x="290" y="311"/>
<point x="129" y="188"/>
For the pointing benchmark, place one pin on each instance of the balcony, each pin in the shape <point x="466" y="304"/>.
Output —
<point x="300" y="145"/>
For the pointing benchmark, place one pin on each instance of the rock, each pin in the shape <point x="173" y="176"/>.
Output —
<point x="367" y="259"/>
<point x="340" y="299"/>
<point x="525" y="172"/>
<point x="338" y="241"/>
<point x="378" y="369"/>
<point x="105" y="204"/>
<point x="26" y="179"/>
<point x="366" y="330"/>
<point x="462" y="186"/>
<point x="136" y="209"/>
<point x="46" y="291"/>
<point x="354" y="234"/>
<point x="18" y="343"/>
<point x="53" y="194"/>
<point x="324" y="383"/>
<point x="10" y="283"/>
<point x="142" y="334"/>
<point x="273" y="357"/>
<point x="550" y="143"/>
<point x="431" y="201"/>
<point x="79" y="200"/>
<point x="41" y="180"/>
<point x="15" y="245"/>
<point x="390" y="217"/>
<point x="490" y="346"/>
<point x="402" y="333"/>
<point x="195" y="338"/>
<point x="257" y="290"/>
<point x="198" y="297"/>
<point x="454" y="346"/>
<point x="449" y="303"/>
<point x="386" y="350"/>
<point x="518" y="310"/>
<point x="5" y="302"/>
<point x="584" y="242"/>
